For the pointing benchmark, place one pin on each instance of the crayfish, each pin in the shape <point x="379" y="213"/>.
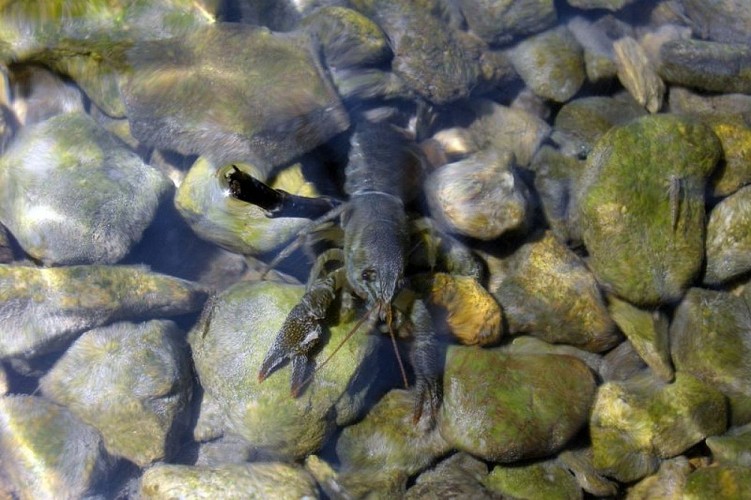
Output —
<point x="372" y="264"/>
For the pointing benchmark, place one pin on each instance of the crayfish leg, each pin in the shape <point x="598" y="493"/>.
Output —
<point x="427" y="363"/>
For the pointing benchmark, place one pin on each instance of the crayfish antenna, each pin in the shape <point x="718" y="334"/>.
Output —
<point x="296" y="390"/>
<point x="389" y="324"/>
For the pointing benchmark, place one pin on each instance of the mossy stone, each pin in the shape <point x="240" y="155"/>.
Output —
<point x="710" y="339"/>
<point x="728" y="483"/>
<point x="637" y="422"/>
<point x="548" y="479"/>
<point x="728" y="243"/>
<point x="229" y="345"/>
<point x="642" y="206"/>
<point x="507" y="407"/>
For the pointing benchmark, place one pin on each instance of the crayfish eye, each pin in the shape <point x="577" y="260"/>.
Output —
<point x="368" y="275"/>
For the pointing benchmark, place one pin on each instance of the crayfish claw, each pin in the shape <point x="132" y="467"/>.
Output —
<point x="273" y="361"/>
<point x="301" y="369"/>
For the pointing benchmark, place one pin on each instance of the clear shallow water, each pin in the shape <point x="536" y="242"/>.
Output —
<point x="479" y="112"/>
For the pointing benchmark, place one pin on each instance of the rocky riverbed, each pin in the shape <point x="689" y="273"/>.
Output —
<point x="581" y="236"/>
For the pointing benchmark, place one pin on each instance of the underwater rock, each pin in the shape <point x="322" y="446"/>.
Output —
<point x="728" y="239"/>
<point x="47" y="452"/>
<point x="720" y="20"/>
<point x="637" y="74"/>
<point x="641" y="206"/>
<point x="710" y="339"/>
<point x="480" y="196"/>
<point x="459" y="476"/>
<point x="551" y="64"/>
<point x="348" y="38"/>
<point x="599" y="4"/>
<point x="203" y="200"/>
<point x="718" y="482"/>
<point x="712" y="66"/>
<point x="388" y="483"/>
<point x="40" y="94"/>
<point x="527" y="344"/>
<point x="581" y="122"/>
<point x="556" y="181"/>
<point x="579" y="462"/>
<point x="547" y="479"/>
<point x="547" y="291"/>
<point x="503" y="129"/>
<point x="507" y="407"/>
<point x="232" y="92"/>
<point x="388" y="438"/>
<point x="72" y="193"/>
<point x="668" y="483"/>
<point x="735" y="135"/>
<point x="621" y="363"/>
<point x="637" y="422"/>
<point x="694" y="102"/>
<point x="250" y="480"/>
<point x="129" y="381"/>
<point x="432" y="58"/>
<point x="732" y="448"/>
<point x="501" y="21"/>
<point x="42" y="309"/>
<point x="648" y="333"/>
<point x="229" y="345"/>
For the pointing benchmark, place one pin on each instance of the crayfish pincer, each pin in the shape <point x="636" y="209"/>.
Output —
<point x="370" y="266"/>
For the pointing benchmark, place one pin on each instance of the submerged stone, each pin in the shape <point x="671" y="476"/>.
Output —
<point x="733" y="447"/>
<point x="728" y="243"/>
<point x="731" y="483"/>
<point x="500" y="21"/>
<point x="551" y="64"/>
<point x="249" y="480"/>
<point x="637" y="422"/>
<point x="507" y="407"/>
<point x="710" y="339"/>
<point x="229" y="345"/>
<point x="712" y="66"/>
<point x="669" y="482"/>
<point x="548" y="479"/>
<point x="480" y="196"/>
<point x="642" y="206"/>
<point x="204" y="201"/>
<point x="388" y="439"/>
<point x="42" y="309"/>
<point x="47" y="452"/>
<point x="547" y="291"/>
<point x="459" y="476"/>
<point x="72" y="193"/>
<point x="233" y="93"/>
<point x="129" y="381"/>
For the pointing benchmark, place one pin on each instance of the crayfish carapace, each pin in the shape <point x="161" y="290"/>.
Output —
<point x="372" y="264"/>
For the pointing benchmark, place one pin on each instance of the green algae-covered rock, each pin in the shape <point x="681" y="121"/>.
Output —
<point x="129" y="381"/>
<point x="72" y="193"/>
<point x="250" y="481"/>
<point x="47" y="452"/>
<point x="581" y="122"/>
<point x="728" y="483"/>
<point x="549" y="479"/>
<point x="387" y="483"/>
<point x="388" y="438"/>
<point x="233" y="93"/>
<point x="668" y="483"/>
<point x="500" y="21"/>
<point x="458" y="476"/>
<point x="507" y="407"/>
<point x="229" y="345"/>
<point x="735" y="136"/>
<point x="204" y="201"/>
<point x="733" y="447"/>
<point x="348" y="38"/>
<point x="642" y="206"/>
<point x="42" y="309"/>
<point x="648" y="333"/>
<point x="579" y="462"/>
<point x="720" y="20"/>
<point x="636" y="422"/>
<point x="546" y="290"/>
<point x="551" y="64"/>
<point x="710" y="339"/>
<point x="728" y="243"/>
